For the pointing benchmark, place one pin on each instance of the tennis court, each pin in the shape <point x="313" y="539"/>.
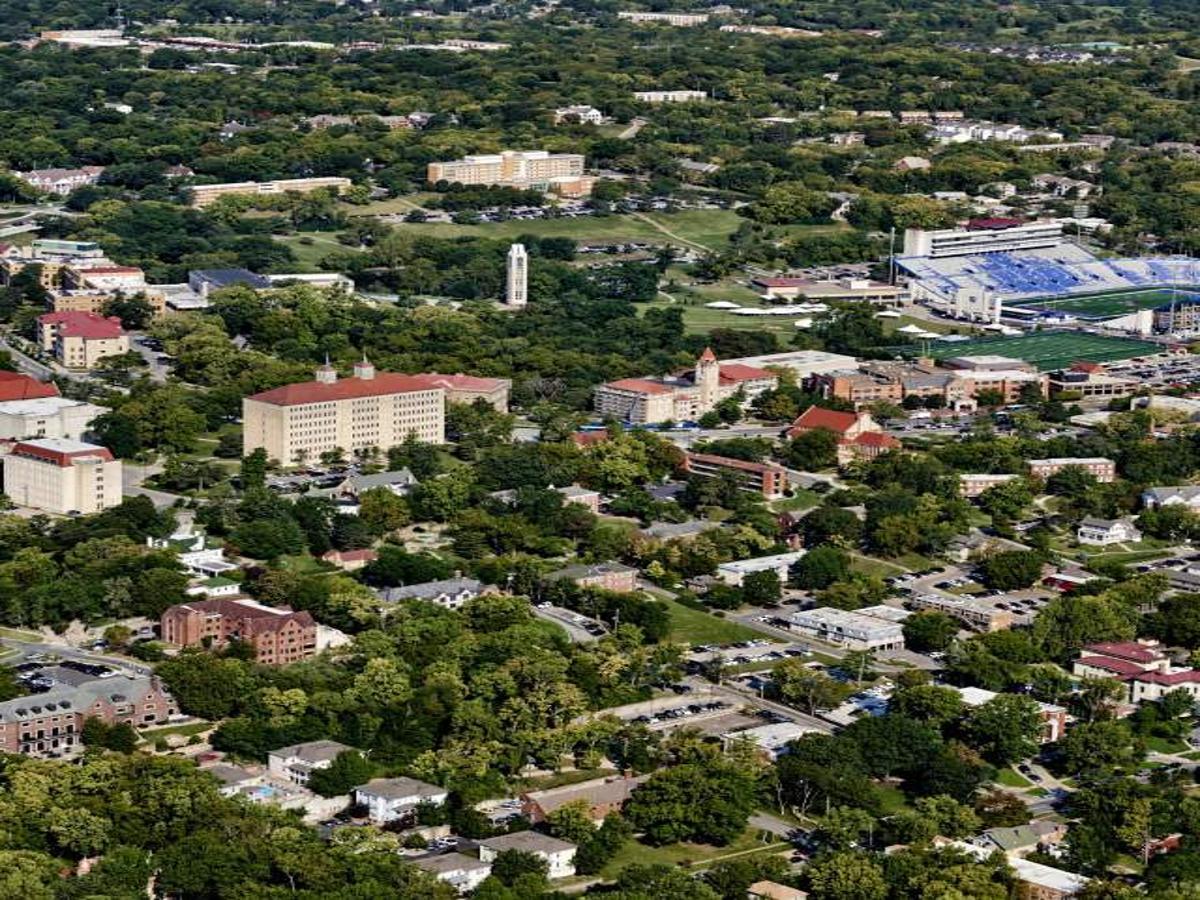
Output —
<point x="1045" y="349"/>
<point x="1106" y="306"/>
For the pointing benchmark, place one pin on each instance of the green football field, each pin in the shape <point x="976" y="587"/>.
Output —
<point x="1047" y="349"/>
<point x="1104" y="306"/>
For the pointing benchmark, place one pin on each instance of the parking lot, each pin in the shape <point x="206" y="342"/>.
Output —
<point x="753" y="651"/>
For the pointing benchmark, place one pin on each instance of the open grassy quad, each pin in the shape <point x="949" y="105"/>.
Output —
<point x="1050" y="349"/>
<point x="691" y="855"/>
<point x="691" y="626"/>
<point x="1102" y="306"/>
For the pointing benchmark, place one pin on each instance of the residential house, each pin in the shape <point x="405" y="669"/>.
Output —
<point x="602" y="796"/>
<point x="450" y="593"/>
<point x="773" y="890"/>
<point x="559" y="856"/>
<point x="1102" y="532"/>
<point x="350" y="560"/>
<point x="1020" y="840"/>
<point x="297" y="762"/>
<point x="609" y="576"/>
<point x="61" y="181"/>
<point x="1181" y="495"/>
<point x="396" y="799"/>
<point x="464" y="873"/>
<point x="583" y="115"/>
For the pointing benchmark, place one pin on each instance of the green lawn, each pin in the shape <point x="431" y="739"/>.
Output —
<point x="1046" y="349"/>
<point x="1013" y="779"/>
<point x="800" y="500"/>
<point x="153" y="734"/>
<point x="867" y="565"/>
<point x="637" y="853"/>
<point x="691" y="626"/>
<point x="893" y="799"/>
<point x="310" y="247"/>
<point x="1164" y="745"/>
<point x="17" y="634"/>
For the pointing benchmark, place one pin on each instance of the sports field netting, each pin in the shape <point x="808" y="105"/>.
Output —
<point x="1106" y="306"/>
<point x="1045" y="349"/>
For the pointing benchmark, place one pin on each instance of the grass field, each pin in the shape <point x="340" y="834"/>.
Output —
<point x="1050" y="349"/>
<point x="1012" y="779"/>
<point x="1103" y="306"/>
<point x="637" y="853"/>
<point x="691" y="626"/>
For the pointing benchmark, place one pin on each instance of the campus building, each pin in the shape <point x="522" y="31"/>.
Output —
<point x="862" y="290"/>
<point x="278" y="635"/>
<point x="682" y="397"/>
<point x="61" y="181"/>
<point x="62" y="476"/>
<point x="299" y="422"/>
<point x="516" y="285"/>
<point x="206" y="194"/>
<point x="678" y="19"/>
<point x="670" y="96"/>
<point x="858" y="435"/>
<point x="855" y="630"/>
<point x="79" y="340"/>
<point x="768" y="480"/>
<point x="1104" y="470"/>
<point x="532" y="169"/>
<point x="46" y="417"/>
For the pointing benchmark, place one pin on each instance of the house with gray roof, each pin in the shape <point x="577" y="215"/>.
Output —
<point x="396" y="799"/>
<point x="1182" y="495"/>
<point x="451" y="593"/>
<point x="297" y="762"/>
<point x="559" y="856"/>
<point x="399" y="482"/>
<point x="464" y="873"/>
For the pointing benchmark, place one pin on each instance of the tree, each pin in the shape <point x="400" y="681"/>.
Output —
<point x="859" y="663"/>
<point x="1005" y="729"/>
<point x="511" y="866"/>
<point x="892" y="744"/>
<point x="348" y="770"/>
<point x="1001" y="809"/>
<point x="762" y="588"/>
<point x="1011" y="569"/>
<point x="820" y="567"/>
<point x="811" y="451"/>
<point x="254" y="469"/>
<point x="707" y="802"/>
<point x="929" y="631"/>
<point x="134" y="312"/>
<point x="846" y="876"/>
<point x="933" y="704"/>
<point x="268" y="538"/>
<point x="1176" y="621"/>
<point x="808" y="689"/>
<point x="831" y="525"/>
<point x="1098" y="746"/>
<point x="843" y="827"/>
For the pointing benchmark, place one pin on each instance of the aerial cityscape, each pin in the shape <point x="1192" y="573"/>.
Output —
<point x="632" y="449"/>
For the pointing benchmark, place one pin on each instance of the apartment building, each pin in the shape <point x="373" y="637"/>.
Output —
<point x="734" y="573"/>
<point x="278" y="635"/>
<point x="206" y="194"/>
<point x="608" y="576"/>
<point x="79" y="340"/>
<point x="670" y="96"/>
<point x="50" y="724"/>
<point x="296" y="762"/>
<point x="1091" y="384"/>
<point x="1104" y="470"/>
<point x="389" y="800"/>
<point x="769" y="480"/>
<point x="559" y="856"/>
<point x="538" y="169"/>
<point x="973" y="484"/>
<point x="855" y="630"/>
<point x="298" y="422"/>
<point x="979" y="615"/>
<point x="62" y="476"/>
<point x="16" y="386"/>
<point x="684" y="396"/>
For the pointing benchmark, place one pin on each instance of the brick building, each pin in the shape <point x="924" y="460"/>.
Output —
<point x="279" y="635"/>
<point x="768" y="479"/>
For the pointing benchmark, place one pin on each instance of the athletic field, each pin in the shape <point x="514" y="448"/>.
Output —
<point x="1045" y="349"/>
<point x="1107" y="306"/>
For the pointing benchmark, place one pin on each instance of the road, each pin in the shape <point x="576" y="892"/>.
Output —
<point x="635" y="125"/>
<point x="766" y="821"/>
<point x="132" y="477"/>
<point x="27" y="364"/>
<point x="65" y="651"/>
<point x="158" y="369"/>
<point x="740" y="695"/>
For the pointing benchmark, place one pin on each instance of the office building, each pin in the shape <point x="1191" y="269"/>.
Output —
<point x="298" y="422"/>
<point x="516" y="285"/>
<point x="47" y="417"/>
<point x="854" y="630"/>
<point x="979" y="615"/>
<point x="462" y="388"/>
<point x="277" y="635"/>
<point x="62" y="476"/>
<point x="206" y="194"/>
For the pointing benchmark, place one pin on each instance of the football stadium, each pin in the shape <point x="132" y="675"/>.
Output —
<point x="1030" y="271"/>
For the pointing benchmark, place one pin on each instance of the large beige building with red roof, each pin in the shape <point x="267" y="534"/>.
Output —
<point x="62" y="476"/>
<point x="683" y="397"/>
<point x="296" y="423"/>
<point x="79" y="340"/>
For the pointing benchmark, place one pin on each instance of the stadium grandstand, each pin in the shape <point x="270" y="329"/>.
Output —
<point x="1032" y="270"/>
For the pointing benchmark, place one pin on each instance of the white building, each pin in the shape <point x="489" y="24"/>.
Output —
<point x="559" y="856"/>
<point x="770" y="740"/>
<point x="1102" y="532"/>
<point x="62" y="476"/>
<point x="585" y="115"/>
<point x="670" y="96"/>
<point x="47" y="417"/>
<point x="464" y="873"/>
<point x="396" y="799"/>
<point x="1184" y="495"/>
<point x="297" y="762"/>
<point x="850" y="629"/>
<point x="678" y="19"/>
<point x="968" y="242"/>
<point x="516" y="290"/>
<point x="975" y="303"/>
<point x="734" y="573"/>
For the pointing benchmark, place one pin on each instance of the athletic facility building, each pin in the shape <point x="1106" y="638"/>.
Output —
<point x="1031" y="271"/>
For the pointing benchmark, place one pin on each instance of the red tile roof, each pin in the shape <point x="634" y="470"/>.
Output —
<point x="994" y="224"/>
<point x="87" y="325"/>
<point x="831" y="419"/>
<point x="15" y="386"/>
<point x="639" y="386"/>
<point x="876" y="439"/>
<point x="1116" y="666"/>
<point x="61" y="458"/>
<point x="588" y="438"/>
<point x="111" y="270"/>
<point x="342" y="389"/>
<point x="1130" y="650"/>
<point x="1185" y="676"/>
<point x="708" y="355"/>
<point x="740" y="372"/>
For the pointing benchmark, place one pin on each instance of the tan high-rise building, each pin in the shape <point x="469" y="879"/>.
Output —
<point x="296" y="423"/>
<point x="516" y="292"/>
<point x="62" y="476"/>
<point x="206" y="194"/>
<point x="518" y="168"/>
